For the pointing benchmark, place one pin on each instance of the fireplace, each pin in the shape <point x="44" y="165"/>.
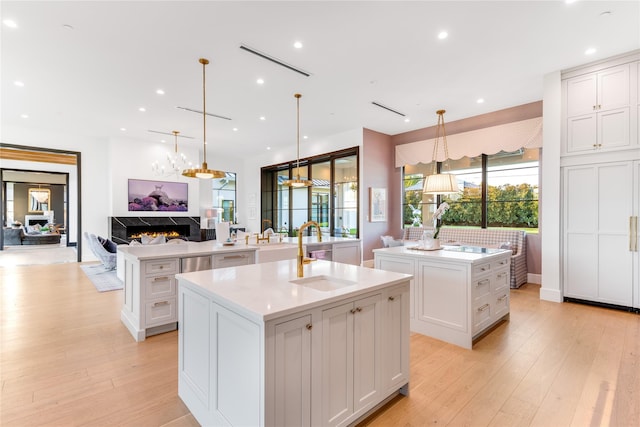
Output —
<point x="125" y="229"/>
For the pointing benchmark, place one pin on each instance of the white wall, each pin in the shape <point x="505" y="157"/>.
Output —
<point x="550" y="200"/>
<point x="249" y="181"/>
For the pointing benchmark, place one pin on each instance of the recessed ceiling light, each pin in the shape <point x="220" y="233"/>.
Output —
<point x="160" y="92"/>
<point x="443" y="35"/>
<point x="123" y="129"/>
<point x="590" y="51"/>
<point x="163" y="140"/>
<point x="260" y="81"/>
<point x="24" y="116"/>
<point x="263" y="118"/>
<point x="297" y="45"/>
<point x="235" y="129"/>
<point x="407" y="120"/>
<point x="570" y="1"/>
<point x="142" y="109"/>
<point x="268" y="148"/>
<point x="305" y="137"/>
<point x="9" y="23"/>
<point x="18" y="83"/>
<point x="480" y="100"/>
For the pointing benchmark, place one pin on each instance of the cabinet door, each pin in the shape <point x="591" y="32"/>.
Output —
<point x="395" y="330"/>
<point x="292" y="374"/>
<point x="347" y="253"/>
<point x="337" y="364"/>
<point x="582" y="133"/>
<point x="613" y="128"/>
<point x="366" y="352"/>
<point x="613" y="88"/>
<point x="581" y="95"/>
<point x="399" y="265"/>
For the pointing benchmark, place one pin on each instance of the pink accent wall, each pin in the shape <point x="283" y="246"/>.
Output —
<point x="379" y="171"/>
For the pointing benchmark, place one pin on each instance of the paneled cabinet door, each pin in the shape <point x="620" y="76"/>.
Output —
<point x="346" y="253"/>
<point x="396" y="338"/>
<point x="350" y="359"/>
<point x="598" y="265"/>
<point x="598" y="110"/>
<point x="292" y="374"/>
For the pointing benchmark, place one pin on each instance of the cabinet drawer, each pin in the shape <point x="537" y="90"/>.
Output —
<point x="231" y="260"/>
<point x="481" y="314"/>
<point x="481" y="269"/>
<point x="160" y="312"/>
<point x="500" y="280"/>
<point x="160" y="286"/>
<point x="161" y="266"/>
<point x="500" y="303"/>
<point x="502" y="263"/>
<point x="481" y="287"/>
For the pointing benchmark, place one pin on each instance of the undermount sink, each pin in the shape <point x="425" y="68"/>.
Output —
<point x="323" y="283"/>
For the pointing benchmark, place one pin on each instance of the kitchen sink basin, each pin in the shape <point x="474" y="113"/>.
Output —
<point x="323" y="283"/>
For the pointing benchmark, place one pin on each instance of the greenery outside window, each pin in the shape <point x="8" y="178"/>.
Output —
<point x="499" y="190"/>
<point x="332" y="200"/>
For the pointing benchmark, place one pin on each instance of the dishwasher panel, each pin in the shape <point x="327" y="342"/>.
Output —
<point x="196" y="263"/>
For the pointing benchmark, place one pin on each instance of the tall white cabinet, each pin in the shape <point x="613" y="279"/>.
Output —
<point x="601" y="182"/>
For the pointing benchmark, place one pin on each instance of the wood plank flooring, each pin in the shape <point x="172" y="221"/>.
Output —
<point x="66" y="360"/>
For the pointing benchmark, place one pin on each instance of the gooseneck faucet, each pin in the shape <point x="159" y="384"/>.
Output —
<point x="301" y="259"/>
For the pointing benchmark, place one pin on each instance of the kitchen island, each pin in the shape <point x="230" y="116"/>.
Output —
<point x="259" y="346"/>
<point x="458" y="292"/>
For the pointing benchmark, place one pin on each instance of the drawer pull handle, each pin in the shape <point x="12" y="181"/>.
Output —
<point x="502" y="298"/>
<point x="503" y="262"/>
<point x="158" y="304"/>
<point x="234" y="257"/>
<point x="309" y="326"/>
<point x="484" y="268"/>
<point x="359" y="309"/>
<point x="161" y="279"/>
<point x="483" y="308"/>
<point x="501" y="275"/>
<point x="352" y="311"/>
<point x="392" y="298"/>
<point x="482" y="282"/>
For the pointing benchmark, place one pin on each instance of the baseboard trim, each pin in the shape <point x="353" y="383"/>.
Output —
<point x="534" y="278"/>
<point x="553" y="295"/>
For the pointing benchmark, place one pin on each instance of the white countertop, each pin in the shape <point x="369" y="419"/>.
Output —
<point x="313" y="240"/>
<point x="264" y="291"/>
<point x="182" y="250"/>
<point x="446" y="253"/>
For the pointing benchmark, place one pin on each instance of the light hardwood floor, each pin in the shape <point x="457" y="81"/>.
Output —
<point x="66" y="360"/>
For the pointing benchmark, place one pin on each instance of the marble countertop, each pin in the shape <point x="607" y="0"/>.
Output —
<point x="265" y="291"/>
<point x="466" y="254"/>
<point x="313" y="240"/>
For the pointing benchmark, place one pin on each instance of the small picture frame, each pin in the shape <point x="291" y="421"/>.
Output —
<point x="39" y="199"/>
<point x="377" y="204"/>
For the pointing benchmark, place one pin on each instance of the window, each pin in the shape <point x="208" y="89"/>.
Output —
<point x="498" y="190"/>
<point x="332" y="201"/>
<point x="224" y="197"/>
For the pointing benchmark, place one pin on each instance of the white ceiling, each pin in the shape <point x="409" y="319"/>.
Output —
<point x="92" y="79"/>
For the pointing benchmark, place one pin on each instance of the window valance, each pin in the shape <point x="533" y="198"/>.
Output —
<point x="507" y="137"/>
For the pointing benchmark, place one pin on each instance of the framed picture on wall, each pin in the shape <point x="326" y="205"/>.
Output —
<point x="377" y="204"/>
<point x="39" y="199"/>
<point x="160" y="196"/>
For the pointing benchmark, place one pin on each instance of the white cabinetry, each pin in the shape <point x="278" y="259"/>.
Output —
<point x="598" y="110"/>
<point x="599" y="207"/>
<point x="454" y="300"/>
<point x="347" y="252"/>
<point x="351" y="338"/>
<point x="233" y="259"/>
<point x="395" y="338"/>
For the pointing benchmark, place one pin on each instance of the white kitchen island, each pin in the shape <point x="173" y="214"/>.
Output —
<point x="260" y="347"/>
<point x="458" y="292"/>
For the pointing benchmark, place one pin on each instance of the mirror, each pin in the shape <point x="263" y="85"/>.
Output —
<point x="39" y="199"/>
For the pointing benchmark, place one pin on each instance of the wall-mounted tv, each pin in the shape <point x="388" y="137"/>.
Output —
<point x="161" y="196"/>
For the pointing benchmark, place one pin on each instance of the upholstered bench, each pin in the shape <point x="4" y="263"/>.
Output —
<point x="488" y="238"/>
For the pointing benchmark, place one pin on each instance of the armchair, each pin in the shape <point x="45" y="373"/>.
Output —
<point x="107" y="258"/>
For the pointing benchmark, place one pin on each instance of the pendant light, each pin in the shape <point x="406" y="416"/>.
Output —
<point x="297" y="182"/>
<point x="440" y="183"/>
<point x="174" y="160"/>
<point x="203" y="172"/>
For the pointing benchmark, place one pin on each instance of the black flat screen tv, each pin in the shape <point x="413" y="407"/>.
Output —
<point x="160" y="196"/>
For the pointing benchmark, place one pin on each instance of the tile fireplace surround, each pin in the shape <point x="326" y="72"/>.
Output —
<point x="120" y="226"/>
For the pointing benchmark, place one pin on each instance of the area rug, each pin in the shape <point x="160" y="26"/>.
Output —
<point x="103" y="280"/>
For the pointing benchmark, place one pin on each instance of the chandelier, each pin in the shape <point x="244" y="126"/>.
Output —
<point x="440" y="183"/>
<point x="203" y="172"/>
<point x="298" y="182"/>
<point x="176" y="161"/>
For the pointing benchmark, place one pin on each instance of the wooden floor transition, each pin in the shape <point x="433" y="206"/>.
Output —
<point x="66" y="360"/>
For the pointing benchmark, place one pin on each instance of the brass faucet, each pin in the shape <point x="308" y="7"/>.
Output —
<point x="301" y="258"/>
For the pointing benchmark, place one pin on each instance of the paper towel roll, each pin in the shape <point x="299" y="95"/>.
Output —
<point x="222" y="231"/>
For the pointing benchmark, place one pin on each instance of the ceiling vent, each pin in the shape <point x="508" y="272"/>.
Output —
<point x="274" y="60"/>
<point x="377" y="104"/>
<point x="208" y="114"/>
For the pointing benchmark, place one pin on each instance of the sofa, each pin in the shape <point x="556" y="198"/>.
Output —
<point x="488" y="238"/>
<point x="17" y="236"/>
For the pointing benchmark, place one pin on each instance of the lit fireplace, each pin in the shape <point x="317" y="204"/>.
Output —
<point x="126" y="229"/>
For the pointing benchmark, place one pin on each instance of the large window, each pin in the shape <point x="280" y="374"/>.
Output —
<point x="224" y="197"/>
<point x="332" y="201"/>
<point x="498" y="190"/>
